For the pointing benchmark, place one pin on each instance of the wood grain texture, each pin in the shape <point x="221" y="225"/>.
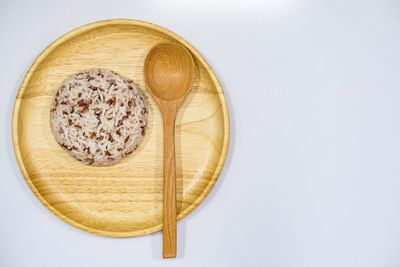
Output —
<point x="169" y="72"/>
<point x="124" y="199"/>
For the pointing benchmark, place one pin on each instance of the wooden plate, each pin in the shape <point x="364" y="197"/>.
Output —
<point x="124" y="199"/>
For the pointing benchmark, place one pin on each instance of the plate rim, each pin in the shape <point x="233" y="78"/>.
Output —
<point x="75" y="32"/>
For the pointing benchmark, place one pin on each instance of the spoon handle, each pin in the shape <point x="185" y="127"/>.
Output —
<point x="169" y="208"/>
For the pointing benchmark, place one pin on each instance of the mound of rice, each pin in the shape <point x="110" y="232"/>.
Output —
<point x="99" y="116"/>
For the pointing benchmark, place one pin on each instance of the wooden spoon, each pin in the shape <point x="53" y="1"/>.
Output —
<point x="169" y="73"/>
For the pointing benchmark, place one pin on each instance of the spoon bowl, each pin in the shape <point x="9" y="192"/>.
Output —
<point x="169" y="71"/>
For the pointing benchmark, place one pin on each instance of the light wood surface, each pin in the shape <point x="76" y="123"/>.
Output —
<point x="169" y="73"/>
<point x="124" y="199"/>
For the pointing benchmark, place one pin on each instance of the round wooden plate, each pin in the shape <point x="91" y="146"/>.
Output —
<point x="124" y="199"/>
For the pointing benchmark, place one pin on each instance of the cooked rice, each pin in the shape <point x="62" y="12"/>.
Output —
<point x="99" y="116"/>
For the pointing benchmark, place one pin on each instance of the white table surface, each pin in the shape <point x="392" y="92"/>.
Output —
<point x="313" y="173"/>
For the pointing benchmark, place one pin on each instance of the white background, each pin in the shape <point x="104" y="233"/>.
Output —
<point x="313" y="173"/>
